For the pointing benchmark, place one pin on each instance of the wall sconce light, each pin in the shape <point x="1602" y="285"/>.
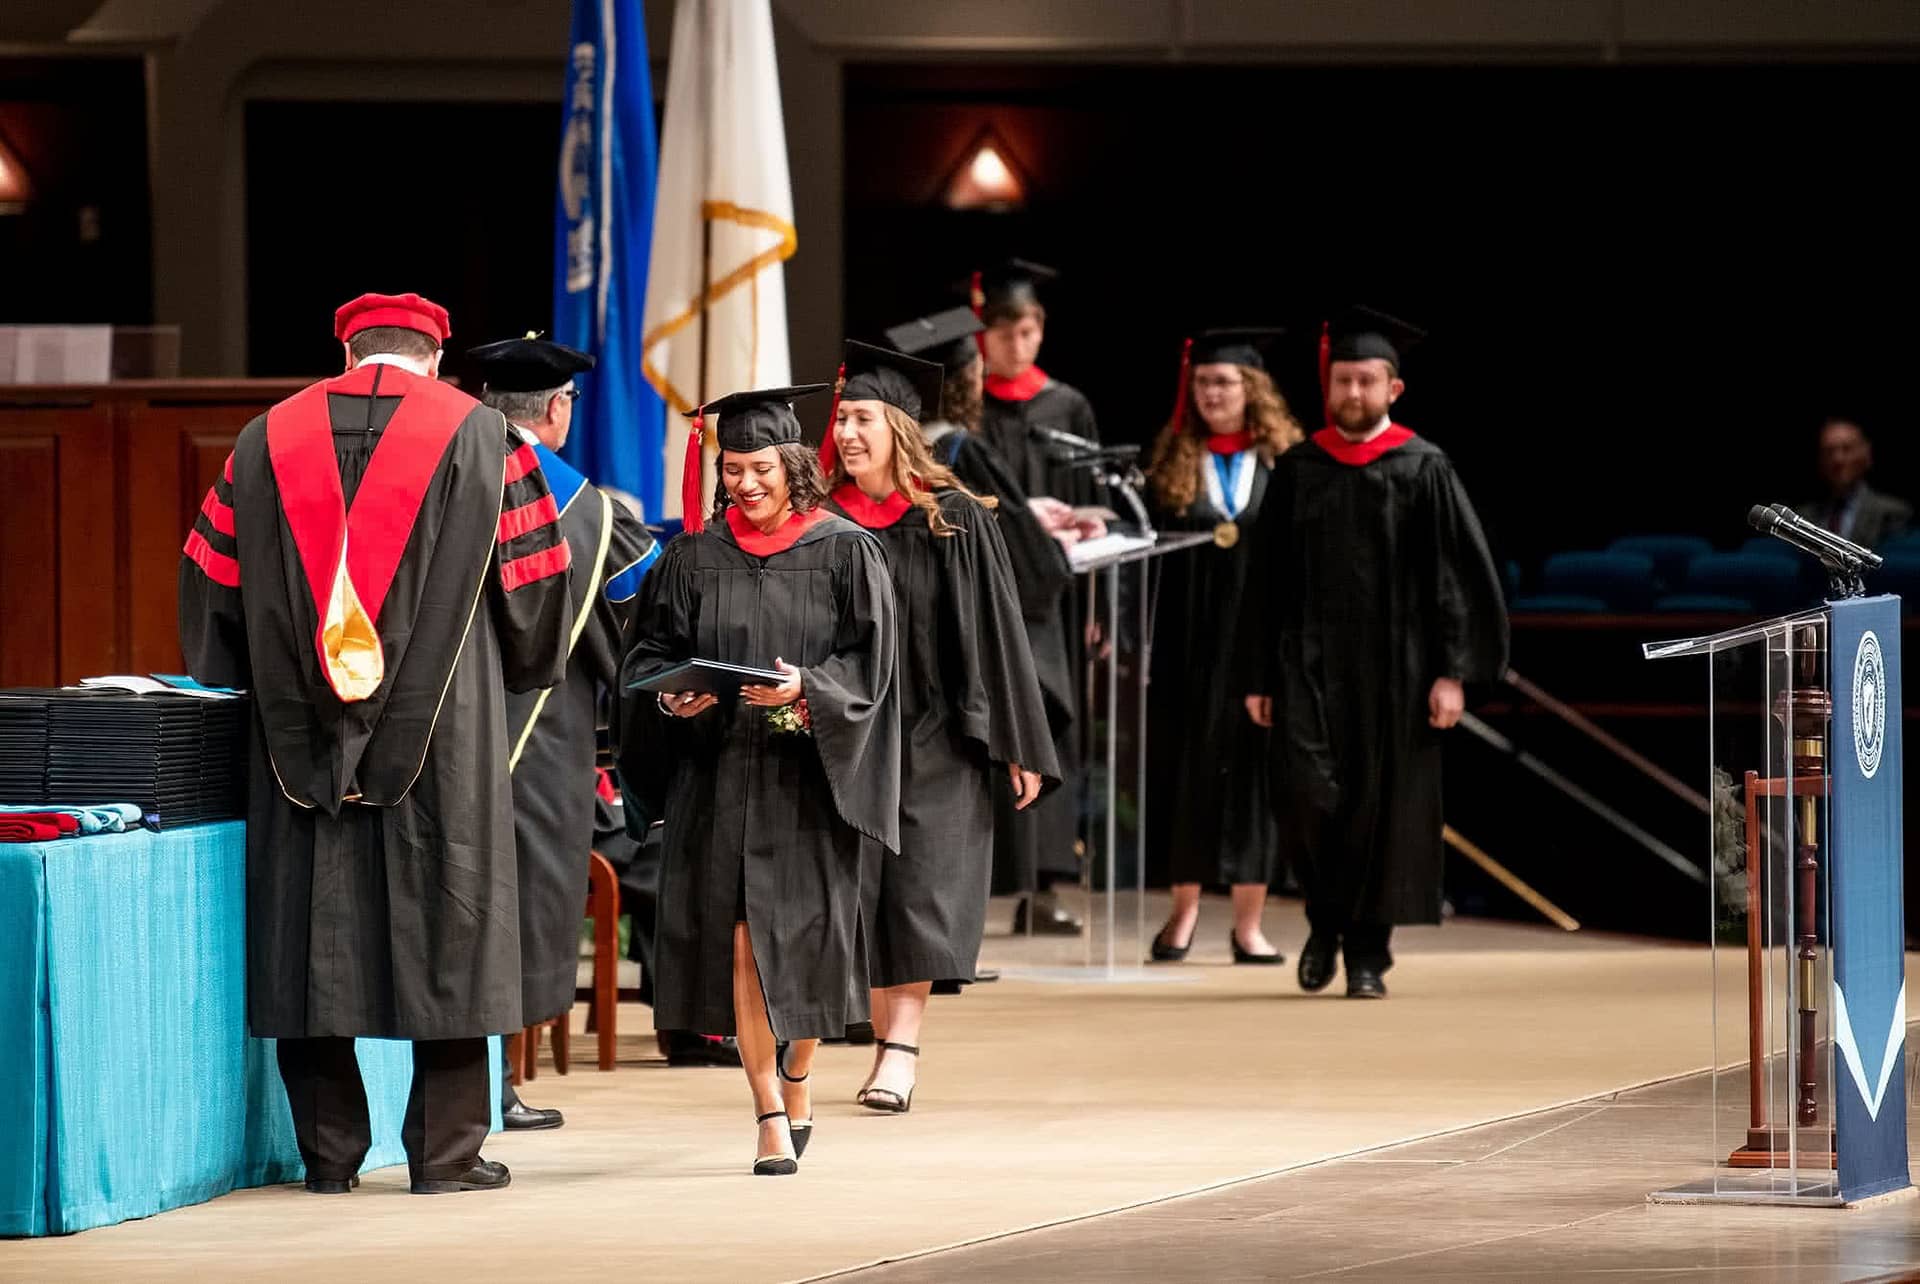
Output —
<point x="987" y="178"/>
<point x="16" y="188"/>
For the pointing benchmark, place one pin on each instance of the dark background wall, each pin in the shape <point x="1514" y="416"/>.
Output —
<point x="82" y="250"/>
<point x="1645" y="285"/>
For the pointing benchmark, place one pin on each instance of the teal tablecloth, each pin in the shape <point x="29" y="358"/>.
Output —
<point x="132" y="1086"/>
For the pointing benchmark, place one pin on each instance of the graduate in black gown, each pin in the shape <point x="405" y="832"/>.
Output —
<point x="1211" y="817"/>
<point x="1020" y="406"/>
<point x="1383" y="602"/>
<point x="1041" y="574"/>
<point x="773" y="796"/>
<point x="380" y="564"/>
<point x="972" y="720"/>
<point x="554" y="733"/>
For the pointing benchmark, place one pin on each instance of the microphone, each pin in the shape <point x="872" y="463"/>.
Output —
<point x="1058" y="437"/>
<point x="1784" y="524"/>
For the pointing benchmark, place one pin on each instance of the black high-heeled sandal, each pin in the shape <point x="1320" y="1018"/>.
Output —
<point x="801" y="1132"/>
<point x="896" y="1104"/>
<point x="1164" y="951"/>
<point x="776" y="1165"/>
<point x="1243" y="955"/>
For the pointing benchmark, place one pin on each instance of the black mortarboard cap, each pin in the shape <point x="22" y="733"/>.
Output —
<point x="881" y="374"/>
<point x="528" y="365"/>
<point x="1240" y="346"/>
<point x="754" y="420"/>
<point x="1362" y="334"/>
<point x="945" y="337"/>
<point x="1010" y="285"/>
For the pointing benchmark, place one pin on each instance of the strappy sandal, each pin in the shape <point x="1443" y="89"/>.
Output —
<point x="801" y="1132"/>
<point x="776" y="1165"/>
<point x="886" y="1100"/>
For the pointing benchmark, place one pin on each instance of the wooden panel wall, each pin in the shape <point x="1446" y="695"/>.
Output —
<point x="101" y="485"/>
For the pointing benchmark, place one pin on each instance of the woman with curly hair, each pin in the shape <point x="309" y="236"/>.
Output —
<point x="773" y="795"/>
<point x="972" y="722"/>
<point x="1209" y="472"/>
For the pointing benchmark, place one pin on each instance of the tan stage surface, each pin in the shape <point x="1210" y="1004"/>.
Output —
<point x="1039" y="1102"/>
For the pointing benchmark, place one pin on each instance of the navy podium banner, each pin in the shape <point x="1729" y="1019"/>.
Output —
<point x="1864" y="852"/>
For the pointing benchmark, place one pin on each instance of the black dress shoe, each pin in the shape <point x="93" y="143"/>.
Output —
<point x="685" y="1048"/>
<point x="1248" y="956"/>
<point x="1365" y="985"/>
<point x="486" y="1174"/>
<point x="1050" y="917"/>
<point x="1319" y="958"/>
<point x="331" y="1185"/>
<point x="518" y="1116"/>
<point x="948" y="985"/>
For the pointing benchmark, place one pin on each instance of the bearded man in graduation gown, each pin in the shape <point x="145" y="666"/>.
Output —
<point x="553" y="733"/>
<point x="380" y="562"/>
<point x="1382" y="602"/>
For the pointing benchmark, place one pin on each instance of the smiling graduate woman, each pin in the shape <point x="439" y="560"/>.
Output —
<point x="772" y="795"/>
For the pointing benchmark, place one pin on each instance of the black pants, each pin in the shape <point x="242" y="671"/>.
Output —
<point x="448" y="1111"/>
<point x="1363" y="946"/>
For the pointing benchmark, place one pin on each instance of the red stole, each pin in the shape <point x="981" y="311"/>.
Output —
<point x="874" y="514"/>
<point x="1022" y="387"/>
<point x="752" y="540"/>
<point x="1229" y="443"/>
<point x="375" y="533"/>
<point x="1357" y="454"/>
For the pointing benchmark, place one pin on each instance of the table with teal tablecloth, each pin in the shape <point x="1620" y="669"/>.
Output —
<point x="133" y="1086"/>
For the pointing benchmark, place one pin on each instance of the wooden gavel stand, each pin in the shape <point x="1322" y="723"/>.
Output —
<point x="1805" y="713"/>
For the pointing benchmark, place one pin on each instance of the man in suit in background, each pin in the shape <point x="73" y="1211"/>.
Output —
<point x="1851" y="509"/>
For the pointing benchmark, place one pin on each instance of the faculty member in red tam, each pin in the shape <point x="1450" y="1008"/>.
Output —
<point x="379" y="563"/>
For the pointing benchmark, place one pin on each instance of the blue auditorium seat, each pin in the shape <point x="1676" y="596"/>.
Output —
<point x="1900" y="574"/>
<point x="1714" y="603"/>
<point x="1768" y="546"/>
<point x="1670" y="553"/>
<point x="1772" y="584"/>
<point x="1551" y="603"/>
<point x="1624" y="581"/>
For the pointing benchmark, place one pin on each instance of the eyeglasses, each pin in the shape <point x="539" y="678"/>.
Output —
<point x="571" y="394"/>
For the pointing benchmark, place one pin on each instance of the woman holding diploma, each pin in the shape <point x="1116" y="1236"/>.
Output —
<point x="772" y="795"/>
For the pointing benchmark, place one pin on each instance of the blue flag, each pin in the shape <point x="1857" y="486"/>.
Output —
<point x="603" y="227"/>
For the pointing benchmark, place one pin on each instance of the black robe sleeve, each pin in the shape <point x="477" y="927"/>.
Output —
<point x="999" y="702"/>
<point x="529" y="589"/>
<point x="631" y="554"/>
<point x="1041" y="572"/>
<point x="1469" y="634"/>
<point x="856" y="719"/>
<point x="650" y="742"/>
<point x="213" y="630"/>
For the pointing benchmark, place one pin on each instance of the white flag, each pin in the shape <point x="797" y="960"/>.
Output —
<point x="723" y="167"/>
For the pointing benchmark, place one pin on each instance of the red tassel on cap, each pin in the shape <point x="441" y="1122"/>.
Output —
<point x="693" y="508"/>
<point x="1180" y="390"/>
<point x="829" y="453"/>
<point x="1326" y="371"/>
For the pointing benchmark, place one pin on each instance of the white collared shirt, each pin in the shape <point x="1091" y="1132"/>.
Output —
<point x="413" y="364"/>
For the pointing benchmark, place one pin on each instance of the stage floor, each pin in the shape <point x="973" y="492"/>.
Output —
<point x="1039" y="1103"/>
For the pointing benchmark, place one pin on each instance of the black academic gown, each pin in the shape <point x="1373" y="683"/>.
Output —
<point x="775" y="823"/>
<point x="554" y="737"/>
<point x="381" y="887"/>
<point x="1043" y="579"/>
<point x="1376" y="580"/>
<point x="1210" y="819"/>
<point x="969" y="706"/>
<point x="1008" y="427"/>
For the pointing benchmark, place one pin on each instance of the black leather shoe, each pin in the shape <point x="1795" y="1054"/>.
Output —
<point x="1319" y="959"/>
<point x="1050" y="917"/>
<point x="486" y="1174"/>
<point x="1365" y="985"/>
<point x="685" y="1048"/>
<point x="1164" y="951"/>
<point x="948" y="985"/>
<point x="1248" y="956"/>
<point x="330" y="1185"/>
<point x="518" y="1116"/>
